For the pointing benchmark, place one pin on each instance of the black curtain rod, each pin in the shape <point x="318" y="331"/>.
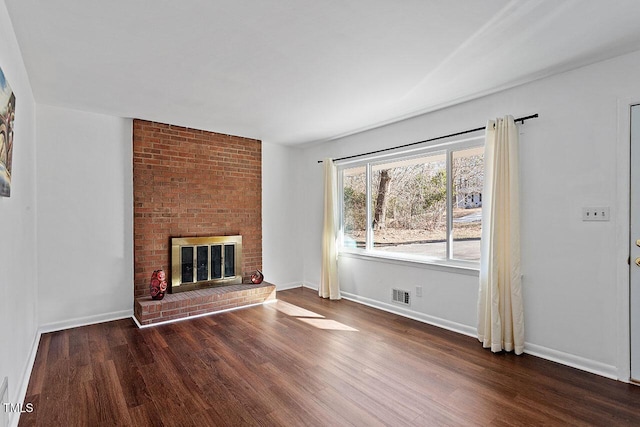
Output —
<point x="519" y="119"/>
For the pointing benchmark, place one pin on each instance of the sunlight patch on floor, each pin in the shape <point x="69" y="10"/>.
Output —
<point x="294" y="310"/>
<point x="310" y="318"/>
<point x="328" y="324"/>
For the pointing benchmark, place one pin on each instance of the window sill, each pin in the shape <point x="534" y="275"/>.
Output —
<point x="458" y="267"/>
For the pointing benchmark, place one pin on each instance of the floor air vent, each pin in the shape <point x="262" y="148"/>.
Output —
<point x="402" y="297"/>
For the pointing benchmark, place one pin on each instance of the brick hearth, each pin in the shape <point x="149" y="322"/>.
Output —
<point x="201" y="301"/>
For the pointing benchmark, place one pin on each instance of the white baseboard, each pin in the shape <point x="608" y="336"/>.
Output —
<point x="588" y="365"/>
<point x="421" y="317"/>
<point x="291" y="285"/>
<point x="584" y="364"/>
<point x="4" y="398"/>
<point x="84" y="321"/>
<point x="14" y="417"/>
<point x="310" y="285"/>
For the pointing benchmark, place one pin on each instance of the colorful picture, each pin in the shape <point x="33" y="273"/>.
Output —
<point x="7" y="116"/>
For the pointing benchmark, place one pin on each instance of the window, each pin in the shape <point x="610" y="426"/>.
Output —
<point x="420" y="205"/>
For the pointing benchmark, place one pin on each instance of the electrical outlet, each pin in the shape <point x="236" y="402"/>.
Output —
<point x="418" y="291"/>
<point x="595" y="213"/>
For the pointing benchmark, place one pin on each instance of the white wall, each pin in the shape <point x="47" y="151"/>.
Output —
<point x="570" y="158"/>
<point x="85" y="217"/>
<point x="18" y="258"/>
<point x="281" y="254"/>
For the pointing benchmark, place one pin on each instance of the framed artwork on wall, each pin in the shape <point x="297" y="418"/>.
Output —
<point x="7" y="117"/>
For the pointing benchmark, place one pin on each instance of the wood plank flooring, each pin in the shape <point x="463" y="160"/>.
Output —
<point x="306" y="361"/>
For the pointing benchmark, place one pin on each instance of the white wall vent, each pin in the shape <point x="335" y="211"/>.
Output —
<point x="402" y="297"/>
<point x="4" y="398"/>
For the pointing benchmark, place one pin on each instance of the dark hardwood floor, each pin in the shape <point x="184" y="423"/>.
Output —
<point x="306" y="361"/>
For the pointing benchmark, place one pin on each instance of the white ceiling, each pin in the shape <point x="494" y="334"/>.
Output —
<point x="295" y="71"/>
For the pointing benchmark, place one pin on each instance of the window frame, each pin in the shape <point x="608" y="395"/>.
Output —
<point x="368" y="162"/>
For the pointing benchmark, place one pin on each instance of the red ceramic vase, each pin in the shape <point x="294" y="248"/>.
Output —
<point x="257" y="277"/>
<point x="158" y="285"/>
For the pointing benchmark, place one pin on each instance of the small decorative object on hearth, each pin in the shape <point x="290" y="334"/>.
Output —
<point x="257" y="277"/>
<point x="158" y="285"/>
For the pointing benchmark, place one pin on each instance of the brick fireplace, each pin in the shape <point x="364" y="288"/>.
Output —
<point x="192" y="183"/>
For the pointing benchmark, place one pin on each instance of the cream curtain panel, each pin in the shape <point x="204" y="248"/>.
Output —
<point x="329" y="286"/>
<point x="500" y="311"/>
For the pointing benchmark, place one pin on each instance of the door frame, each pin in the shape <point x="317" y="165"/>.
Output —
<point x="623" y="236"/>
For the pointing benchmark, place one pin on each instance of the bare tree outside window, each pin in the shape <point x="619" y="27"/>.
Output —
<point x="409" y="204"/>
<point x="380" y="215"/>
<point x="412" y="207"/>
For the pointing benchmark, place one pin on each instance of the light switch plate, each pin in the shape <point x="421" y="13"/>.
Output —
<point x="595" y="213"/>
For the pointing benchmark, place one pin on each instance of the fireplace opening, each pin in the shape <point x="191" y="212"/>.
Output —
<point x="200" y="262"/>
